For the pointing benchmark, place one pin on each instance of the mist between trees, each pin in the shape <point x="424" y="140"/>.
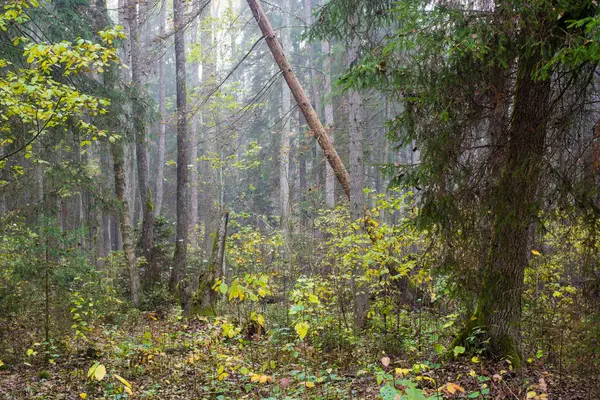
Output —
<point x="343" y="199"/>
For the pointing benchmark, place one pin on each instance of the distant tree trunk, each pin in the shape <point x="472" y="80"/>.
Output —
<point x="284" y="150"/>
<point x="357" y="202"/>
<point x="140" y="128"/>
<point x="210" y="194"/>
<point x="195" y="71"/>
<point x="183" y="152"/>
<point x="329" y="176"/>
<point x="160" y="157"/>
<point x="302" y="100"/>
<point x="314" y="94"/>
<point x="513" y="208"/>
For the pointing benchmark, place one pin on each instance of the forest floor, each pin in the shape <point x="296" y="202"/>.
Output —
<point x="191" y="359"/>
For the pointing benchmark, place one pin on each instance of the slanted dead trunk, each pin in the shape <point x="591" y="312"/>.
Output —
<point x="317" y="129"/>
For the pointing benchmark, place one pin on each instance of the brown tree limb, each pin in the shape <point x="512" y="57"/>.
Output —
<point x="317" y="129"/>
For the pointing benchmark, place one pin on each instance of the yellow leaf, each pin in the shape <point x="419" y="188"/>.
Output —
<point x="453" y="388"/>
<point x="222" y="376"/>
<point x="92" y="370"/>
<point x="100" y="372"/>
<point x="122" y="380"/>
<point x="535" y="253"/>
<point x="261" y="320"/>
<point x="475" y="359"/>
<point x="531" y="395"/>
<point x="128" y="391"/>
<point x="402" y="371"/>
<point x="83" y="395"/>
<point x="254" y="378"/>
<point x="309" y="384"/>
<point x="264" y="379"/>
<point x="302" y="329"/>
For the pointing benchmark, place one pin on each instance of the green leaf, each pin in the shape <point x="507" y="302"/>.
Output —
<point x="458" y="350"/>
<point x="439" y="349"/>
<point x="223" y="288"/>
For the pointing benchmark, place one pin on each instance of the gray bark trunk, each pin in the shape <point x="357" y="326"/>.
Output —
<point x="357" y="202"/>
<point x="195" y="71"/>
<point x="140" y="128"/>
<point x="329" y="176"/>
<point x="160" y="157"/>
<point x="183" y="152"/>
<point x="284" y="149"/>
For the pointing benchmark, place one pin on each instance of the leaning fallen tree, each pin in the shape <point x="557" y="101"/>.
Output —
<point x="317" y="129"/>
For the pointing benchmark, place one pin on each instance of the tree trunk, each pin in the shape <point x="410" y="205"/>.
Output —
<point x="140" y="128"/>
<point x="357" y="202"/>
<point x="195" y="71"/>
<point x="284" y="150"/>
<point x="160" y="157"/>
<point x="513" y="208"/>
<point x="215" y="270"/>
<point x="183" y="152"/>
<point x="302" y="100"/>
<point x="314" y="93"/>
<point x="125" y="223"/>
<point x="210" y="194"/>
<point x="329" y="176"/>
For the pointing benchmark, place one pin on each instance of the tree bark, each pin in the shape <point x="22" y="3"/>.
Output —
<point x="140" y="128"/>
<point x="215" y="270"/>
<point x="513" y="208"/>
<point x="183" y="152"/>
<point x="211" y="199"/>
<point x="160" y="157"/>
<point x="125" y="222"/>
<point x="357" y="202"/>
<point x="314" y="93"/>
<point x="302" y="100"/>
<point x="195" y="71"/>
<point x="329" y="175"/>
<point x="284" y="150"/>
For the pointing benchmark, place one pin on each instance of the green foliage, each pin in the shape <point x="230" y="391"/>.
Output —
<point x="32" y="97"/>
